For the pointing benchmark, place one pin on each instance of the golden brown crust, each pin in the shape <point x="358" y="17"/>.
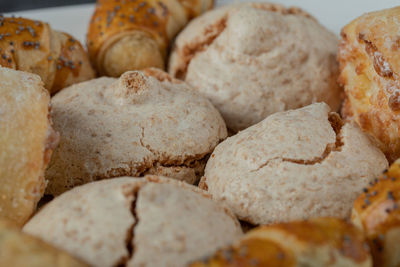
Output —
<point x="34" y="47"/>
<point x="26" y="143"/>
<point x="369" y="56"/>
<point x="18" y="249"/>
<point x="377" y="212"/>
<point x="158" y="21"/>
<point x="322" y="242"/>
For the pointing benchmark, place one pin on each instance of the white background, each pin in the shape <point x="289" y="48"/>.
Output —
<point x="334" y="14"/>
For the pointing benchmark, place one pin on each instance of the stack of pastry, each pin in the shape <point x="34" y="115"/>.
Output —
<point x="137" y="169"/>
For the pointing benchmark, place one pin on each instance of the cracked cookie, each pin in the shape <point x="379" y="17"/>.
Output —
<point x="252" y="60"/>
<point x="316" y="242"/>
<point x="142" y="123"/>
<point x="26" y="143"/>
<point x="377" y="212"/>
<point x="21" y="250"/>
<point x="293" y="165"/>
<point x="369" y="56"/>
<point x="151" y="221"/>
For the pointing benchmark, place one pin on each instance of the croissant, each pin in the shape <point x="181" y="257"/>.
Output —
<point x="33" y="46"/>
<point x="130" y="34"/>
<point x="377" y="212"/>
<point x="317" y="242"/>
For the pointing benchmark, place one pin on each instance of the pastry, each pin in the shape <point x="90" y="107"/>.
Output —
<point x="293" y="165"/>
<point x="142" y="123"/>
<point x="377" y="212"/>
<point x="252" y="60"/>
<point x="21" y="250"/>
<point x="151" y="221"/>
<point x="369" y="56"/>
<point x="33" y="46"/>
<point x="317" y="242"/>
<point x="26" y="143"/>
<point x="133" y="35"/>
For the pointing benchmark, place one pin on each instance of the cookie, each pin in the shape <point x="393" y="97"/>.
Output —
<point x="151" y="221"/>
<point x="293" y="165"/>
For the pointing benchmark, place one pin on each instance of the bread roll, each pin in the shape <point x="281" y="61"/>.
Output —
<point x="26" y="143"/>
<point x="133" y="35"/>
<point x="33" y="46"/>
<point x="21" y="250"/>
<point x="317" y="242"/>
<point x="376" y="211"/>
<point x="369" y="56"/>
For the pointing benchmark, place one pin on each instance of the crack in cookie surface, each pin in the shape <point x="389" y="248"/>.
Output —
<point x="336" y="124"/>
<point x="130" y="235"/>
<point x="213" y="31"/>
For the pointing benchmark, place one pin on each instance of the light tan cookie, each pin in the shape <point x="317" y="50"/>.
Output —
<point x="377" y="212"/>
<point x="26" y="143"/>
<point x="252" y="60"/>
<point x="151" y="221"/>
<point x="21" y="250"/>
<point x="293" y="165"/>
<point x="369" y="56"/>
<point x="144" y="122"/>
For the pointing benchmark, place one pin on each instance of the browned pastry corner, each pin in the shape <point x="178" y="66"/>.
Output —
<point x="377" y="212"/>
<point x="132" y="35"/>
<point x="32" y="46"/>
<point x="26" y="143"/>
<point x="317" y="242"/>
<point x="21" y="250"/>
<point x="369" y="57"/>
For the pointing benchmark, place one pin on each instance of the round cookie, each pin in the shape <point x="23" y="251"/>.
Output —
<point x="151" y="221"/>
<point x="252" y="60"/>
<point x="142" y="123"/>
<point x="369" y="56"/>
<point x="293" y="165"/>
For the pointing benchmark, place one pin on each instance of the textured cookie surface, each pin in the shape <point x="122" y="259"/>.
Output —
<point x="144" y="122"/>
<point x="369" y="57"/>
<point x="130" y="220"/>
<point x="293" y="165"/>
<point x="252" y="60"/>
<point x="26" y="143"/>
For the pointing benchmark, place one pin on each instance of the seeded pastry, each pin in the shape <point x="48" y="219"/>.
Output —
<point x="142" y="123"/>
<point x="133" y="35"/>
<point x="26" y="143"/>
<point x="252" y="60"/>
<point x="327" y="242"/>
<point x="33" y="46"/>
<point x="377" y="212"/>
<point x="369" y="56"/>
<point x="151" y="221"/>
<point x="293" y="165"/>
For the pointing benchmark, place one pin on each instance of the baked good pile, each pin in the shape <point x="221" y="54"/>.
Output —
<point x="246" y="135"/>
